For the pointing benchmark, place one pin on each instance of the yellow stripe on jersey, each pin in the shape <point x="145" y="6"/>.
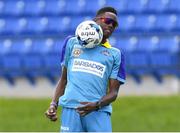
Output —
<point x="107" y="44"/>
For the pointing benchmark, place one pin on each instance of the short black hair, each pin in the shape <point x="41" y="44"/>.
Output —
<point x="106" y="9"/>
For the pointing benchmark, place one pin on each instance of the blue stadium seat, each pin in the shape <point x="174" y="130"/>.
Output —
<point x="21" y="46"/>
<point x="177" y="25"/>
<point x="5" y="46"/>
<point x="52" y="66"/>
<point x="138" y="64"/>
<point x="127" y="23"/>
<point x="166" y="22"/>
<point x="174" y="6"/>
<point x="2" y="25"/>
<point x="145" y="23"/>
<point x="120" y="5"/>
<point x="157" y="6"/>
<point x="53" y="25"/>
<point x="96" y="4"/>
<point x="12" y="67"/>
<point x="127" y="44"/>
<point x="33" y="67"/>
<point x="55" y="7"/>
<point x="22" y="25"/>
<point x="42" y="46"/>
<point x="169" y="44"/>
<point x="81" y="7"/>
<point x="12" y="27"/>
<point x="58" y="25"/>
<point x="36" y="25"/>
<point x="136" y="7"/>
<point x="2" y="6"/>
<point x="57" y="46"/>
<point x="13" y="7"/>
<point x="34" y="7"/>
<point x="146" y="44"/>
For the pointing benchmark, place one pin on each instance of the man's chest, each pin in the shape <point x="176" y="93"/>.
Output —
<point x="99" y="55"/>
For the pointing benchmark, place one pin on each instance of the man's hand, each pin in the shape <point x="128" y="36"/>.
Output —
<point x="51" y="113"/>
<point x="86" y="108"/>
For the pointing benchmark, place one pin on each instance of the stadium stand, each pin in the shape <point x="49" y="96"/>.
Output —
<point x="32" y="33"/>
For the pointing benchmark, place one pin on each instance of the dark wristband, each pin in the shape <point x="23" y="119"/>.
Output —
<point x="98" y="105"/>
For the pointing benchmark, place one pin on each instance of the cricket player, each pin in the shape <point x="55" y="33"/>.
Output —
<point x="90" y="81"/>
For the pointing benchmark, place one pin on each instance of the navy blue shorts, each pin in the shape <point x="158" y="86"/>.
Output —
<point x="96" y="121"/>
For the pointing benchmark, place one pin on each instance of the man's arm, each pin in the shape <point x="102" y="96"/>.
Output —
<point x="112" y="94"/>
<point x="106" y="100"/>
<point x="60" y="86"/>
<point x="51" y="113"/>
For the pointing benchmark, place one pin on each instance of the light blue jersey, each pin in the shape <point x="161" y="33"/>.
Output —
<point x="88" y="72"/>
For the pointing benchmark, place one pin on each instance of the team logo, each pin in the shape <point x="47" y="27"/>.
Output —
<point x="77" y="52"/>
<point x="105" y="52"/>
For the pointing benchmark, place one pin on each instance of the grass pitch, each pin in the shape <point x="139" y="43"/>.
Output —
<point x="129" y="114"/>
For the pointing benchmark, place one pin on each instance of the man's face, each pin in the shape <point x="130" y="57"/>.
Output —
<point x="108" y="22"/>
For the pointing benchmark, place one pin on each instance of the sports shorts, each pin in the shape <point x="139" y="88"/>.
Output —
<point x="96" y="121"/>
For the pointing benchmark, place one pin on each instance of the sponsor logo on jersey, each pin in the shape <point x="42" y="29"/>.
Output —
<point x="87" y="66"/>
<point x="77" y="52"/>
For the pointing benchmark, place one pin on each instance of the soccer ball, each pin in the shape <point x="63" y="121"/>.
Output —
<point x="89" y="34"/>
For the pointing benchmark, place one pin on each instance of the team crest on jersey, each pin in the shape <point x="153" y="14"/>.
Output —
<point x="77" y="52"/>
<point x="105" y="52"/>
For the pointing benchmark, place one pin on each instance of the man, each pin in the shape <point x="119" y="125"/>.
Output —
<point x="84" y="96"/>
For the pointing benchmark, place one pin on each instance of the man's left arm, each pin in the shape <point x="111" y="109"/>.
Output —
<point x="111" y="96"/>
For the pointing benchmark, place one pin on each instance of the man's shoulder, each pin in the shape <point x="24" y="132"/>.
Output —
<point x="70" y="40"/>
<point x="115" y="51"/>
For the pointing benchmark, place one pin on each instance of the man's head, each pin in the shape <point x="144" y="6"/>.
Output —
<point x="106" y="17"/>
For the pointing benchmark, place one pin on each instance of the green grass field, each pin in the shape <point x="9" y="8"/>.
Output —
<point x="129" y="114"/>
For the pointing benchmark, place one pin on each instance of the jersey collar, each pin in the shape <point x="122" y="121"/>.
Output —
<point x="106" y="44"/>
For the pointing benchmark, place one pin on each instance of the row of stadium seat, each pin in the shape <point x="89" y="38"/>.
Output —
<point x="128" y="23"/>
<point x="30" y="65"/>
<point x="41" y="57"/>
<point x="148" y="43"/>
<point x="37" y="7"/>
<point x="138" y="64"/>
<point x="127" y="44"/>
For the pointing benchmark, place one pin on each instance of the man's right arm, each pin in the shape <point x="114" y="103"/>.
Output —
<point x="51" y="113"/>
<point x="60" y="86"/>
